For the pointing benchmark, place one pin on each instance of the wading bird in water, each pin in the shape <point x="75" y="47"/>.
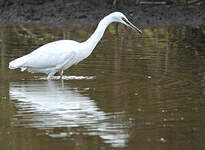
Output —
<point x="59" y="55"/>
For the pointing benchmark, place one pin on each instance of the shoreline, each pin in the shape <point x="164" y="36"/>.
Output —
<point x="82" y="14"/>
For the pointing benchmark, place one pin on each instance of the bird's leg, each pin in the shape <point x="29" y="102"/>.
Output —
<point x="61" y="74"/>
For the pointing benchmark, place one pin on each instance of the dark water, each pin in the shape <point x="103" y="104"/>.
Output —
<point x="133" y="92"/>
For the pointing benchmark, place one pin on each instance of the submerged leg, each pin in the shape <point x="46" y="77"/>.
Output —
<point x="61" y="74"/>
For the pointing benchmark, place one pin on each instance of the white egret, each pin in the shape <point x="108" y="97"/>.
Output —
<point x="59" y="55"/>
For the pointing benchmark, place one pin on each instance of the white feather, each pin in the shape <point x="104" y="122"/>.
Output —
<point x="60" y="55"/>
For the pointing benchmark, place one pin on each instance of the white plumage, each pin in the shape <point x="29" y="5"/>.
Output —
<point x="59" y="55"/>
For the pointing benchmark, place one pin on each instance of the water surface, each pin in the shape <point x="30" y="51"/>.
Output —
<point x="134" y="91"/>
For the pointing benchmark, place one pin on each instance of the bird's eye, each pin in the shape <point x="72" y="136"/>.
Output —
<point x="123" y="19"/>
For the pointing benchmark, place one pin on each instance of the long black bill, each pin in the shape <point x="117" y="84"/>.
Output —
<point x="132" y="26"/>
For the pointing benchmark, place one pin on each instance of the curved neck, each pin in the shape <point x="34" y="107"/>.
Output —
<point x="97" y="35"/>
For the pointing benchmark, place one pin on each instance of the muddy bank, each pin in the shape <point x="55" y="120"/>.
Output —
<point x="78" y="12"/>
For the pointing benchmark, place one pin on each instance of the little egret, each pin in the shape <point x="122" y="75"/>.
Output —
<point x="59" y="55"/>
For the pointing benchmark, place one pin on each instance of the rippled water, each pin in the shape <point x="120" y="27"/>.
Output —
<point x="134" y="91"/>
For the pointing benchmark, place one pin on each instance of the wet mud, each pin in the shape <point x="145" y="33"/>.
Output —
<point x="79" y="13"/>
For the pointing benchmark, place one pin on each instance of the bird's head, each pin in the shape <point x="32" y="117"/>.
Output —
<point x="121" y="18"/>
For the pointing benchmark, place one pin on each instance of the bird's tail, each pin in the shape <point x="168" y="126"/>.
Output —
<point x="18" y="63"/>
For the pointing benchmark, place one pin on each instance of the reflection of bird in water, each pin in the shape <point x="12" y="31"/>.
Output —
<point x="48" y="105"/>
<point x="59" y="55"/>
